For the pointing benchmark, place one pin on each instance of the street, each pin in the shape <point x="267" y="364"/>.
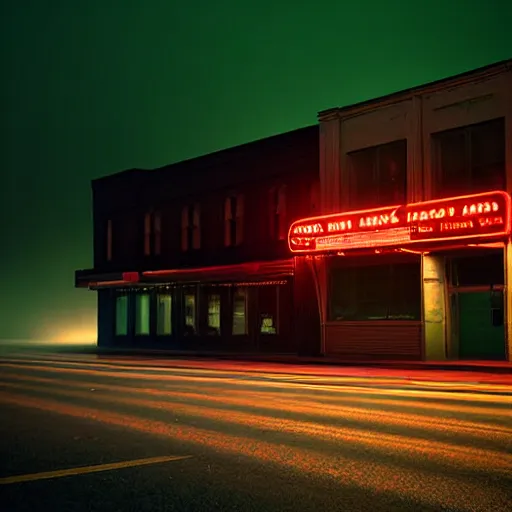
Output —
<point x="80" y="432"/>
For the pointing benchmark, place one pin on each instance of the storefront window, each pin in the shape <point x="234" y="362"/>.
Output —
<point x="121" y="315"/>
<point x="240" y="311"/>
<point x="142" y="305"/>
<point x="214" y="314"/>
<point x="268" y="309"/>
<point x="190" y="313"/>
<point x="379" y="292"/>
<point x="164" y="315"/>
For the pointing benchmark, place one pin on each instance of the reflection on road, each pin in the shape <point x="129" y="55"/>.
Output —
<point x="422" y="442"/>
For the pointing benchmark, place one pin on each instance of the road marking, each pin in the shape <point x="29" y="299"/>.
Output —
<point x="90" y="469"/>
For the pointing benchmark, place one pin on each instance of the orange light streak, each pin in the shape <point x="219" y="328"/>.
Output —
<point x="413" y="483"/>
<point x="359" y="414"/>
<point x="335" y="384"/>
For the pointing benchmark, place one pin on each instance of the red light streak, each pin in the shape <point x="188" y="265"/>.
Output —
<point x="485" y="215"/>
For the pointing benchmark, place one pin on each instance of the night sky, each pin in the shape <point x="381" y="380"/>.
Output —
<point x="91" y="87"/>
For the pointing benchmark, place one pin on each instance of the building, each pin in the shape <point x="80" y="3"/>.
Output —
<point x="194" y="256"/>
<point x="411" y="254"/>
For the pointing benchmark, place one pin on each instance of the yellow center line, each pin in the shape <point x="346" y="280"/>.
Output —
<point x="90" y="469"/>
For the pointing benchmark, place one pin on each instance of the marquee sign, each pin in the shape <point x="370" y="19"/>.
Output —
<point x="486" y="215"/>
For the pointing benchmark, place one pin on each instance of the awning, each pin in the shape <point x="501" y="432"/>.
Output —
<point x="254" y="272"/>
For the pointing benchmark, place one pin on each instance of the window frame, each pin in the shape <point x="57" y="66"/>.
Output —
<point x="355" y="281"/>
<point x="244" y="292"/>
<point x="195" y="325"/>
<point x="377" y="155"/>
<point x="467" y="181"/>
<point x="125" y="298"/>
<point x="160" y="295"/>
<point x="191" y="227"/>
<point x="234" y="220"/>
<point x="139" y="315"/>
<point x="218" y="314"/>
<point x="277" y="211"/>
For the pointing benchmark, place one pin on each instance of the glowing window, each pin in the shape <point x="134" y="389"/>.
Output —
<point x="164" y="315"/>
<point x="190" y="313"/>
<point x="142" y="313"/>
<point x="122" y="315"/>
<point x="268" y="309"/>
<point x="214" y="314"/>
<point x="240" y="311"/>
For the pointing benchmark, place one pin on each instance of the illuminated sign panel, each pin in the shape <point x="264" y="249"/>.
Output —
<point x="484" y="215"/>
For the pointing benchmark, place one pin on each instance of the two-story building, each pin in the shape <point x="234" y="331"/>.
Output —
<point x="194" y="256"/>
<point x="411" y="254"/>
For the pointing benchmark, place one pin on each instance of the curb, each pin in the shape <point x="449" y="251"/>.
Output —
<point x="292" y="360"/>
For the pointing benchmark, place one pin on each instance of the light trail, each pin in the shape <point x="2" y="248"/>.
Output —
<point x="483" y="459"/>
<point x="304" y="407"/>
<point x="415" y="484"/>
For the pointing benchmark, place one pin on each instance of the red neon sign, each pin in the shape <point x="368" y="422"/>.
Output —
<point x="486" y="215"/>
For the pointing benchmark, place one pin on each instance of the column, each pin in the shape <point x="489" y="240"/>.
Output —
<point x="319" y="269"/>
<point x="415" y="181"/>
<point x="329" y="162"/>
<point x="507" y="94"/>
<point x="508" y="300"/>
<point x="434" y="307"/>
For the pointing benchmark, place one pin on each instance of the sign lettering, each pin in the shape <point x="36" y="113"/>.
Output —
<point x="465" y="217"/>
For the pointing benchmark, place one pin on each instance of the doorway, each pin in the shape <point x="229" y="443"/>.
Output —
<point x="476" y="278"/>
<point x="481" y="326"/>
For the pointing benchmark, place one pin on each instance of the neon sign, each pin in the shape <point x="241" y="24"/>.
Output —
<point x="486" y="215"/>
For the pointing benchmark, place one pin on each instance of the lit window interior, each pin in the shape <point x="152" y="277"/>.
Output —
<point x="214" y="314"/>
<point x="122" y="315"/>
<point x="164" y="315"/>
<point x="142" y="314"/>
<point x="190" y="313"/>
<point x="240" y="312"/>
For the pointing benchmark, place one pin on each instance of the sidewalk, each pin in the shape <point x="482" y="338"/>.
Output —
<point x="494" y="367"/>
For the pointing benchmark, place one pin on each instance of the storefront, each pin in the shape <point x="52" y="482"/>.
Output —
<point x="417" y="281"/>
<point x="241" y="308"/>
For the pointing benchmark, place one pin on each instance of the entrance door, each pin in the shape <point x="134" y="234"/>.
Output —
<point x="481" y="333"/>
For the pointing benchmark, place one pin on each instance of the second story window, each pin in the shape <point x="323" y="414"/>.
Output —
<point x="190" y="227"/>
<point x="278" y="217"/>
<point x="152" y="233"/>
<point x="109" y="240"/>
<point x="469" y="159"/>
<point x="378" y="175"/>
<point x="234" y="220"/>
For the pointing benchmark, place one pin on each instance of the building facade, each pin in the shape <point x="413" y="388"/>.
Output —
<point x="411" y="255"/>
<point x="194" y="256"/>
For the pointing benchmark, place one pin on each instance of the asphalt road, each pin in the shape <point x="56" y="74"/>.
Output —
<point x="82" y="433"/>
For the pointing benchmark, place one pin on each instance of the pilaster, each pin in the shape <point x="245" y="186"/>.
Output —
<point x="435" y="307"/>
<point x="329" y="162"/>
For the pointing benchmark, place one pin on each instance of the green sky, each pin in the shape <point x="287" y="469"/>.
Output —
<point x="91" y="87"/>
